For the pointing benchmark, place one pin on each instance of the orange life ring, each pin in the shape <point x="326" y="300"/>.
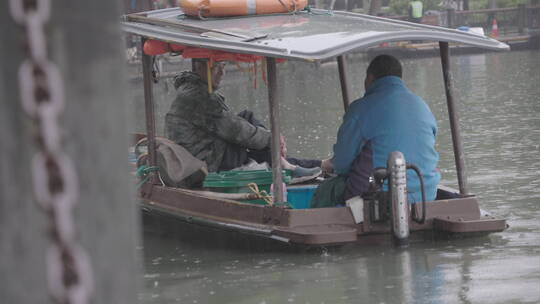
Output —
<point x="222" y="8"/>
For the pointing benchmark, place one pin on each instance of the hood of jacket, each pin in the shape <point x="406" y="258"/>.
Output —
<point x="188" y="78"/>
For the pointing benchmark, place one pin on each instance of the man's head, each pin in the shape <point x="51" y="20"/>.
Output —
<point x="217" y="70"/>
<point x="381" y="66"/>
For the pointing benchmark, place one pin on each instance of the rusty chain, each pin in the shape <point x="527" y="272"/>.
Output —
<point x="55" y="183"/>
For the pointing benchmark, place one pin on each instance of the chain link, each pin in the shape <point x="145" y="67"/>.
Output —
<point x="55" y="183"/>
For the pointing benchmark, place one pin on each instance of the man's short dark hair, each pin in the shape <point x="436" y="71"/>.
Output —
<point x="384" y="65"/>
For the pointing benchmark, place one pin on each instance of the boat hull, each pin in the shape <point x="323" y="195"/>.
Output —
<point x="321" y="226"/>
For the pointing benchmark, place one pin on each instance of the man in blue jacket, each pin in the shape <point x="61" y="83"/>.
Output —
<point x="388" y="118"/>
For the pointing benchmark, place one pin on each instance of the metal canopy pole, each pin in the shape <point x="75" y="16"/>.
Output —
<point x="149" y="107"/>
<point x="454" y="119"/>
<point x="273" y="102"/>
<point x="342" y="64"/>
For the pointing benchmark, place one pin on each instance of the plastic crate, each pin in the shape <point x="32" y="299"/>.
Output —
<point x="300" y="196"/>
<point x="237" y="182"/>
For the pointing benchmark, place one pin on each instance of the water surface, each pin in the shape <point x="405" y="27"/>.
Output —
<point x="500" y="121"/>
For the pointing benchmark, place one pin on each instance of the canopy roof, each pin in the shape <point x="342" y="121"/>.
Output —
<point x="313" y="35"/>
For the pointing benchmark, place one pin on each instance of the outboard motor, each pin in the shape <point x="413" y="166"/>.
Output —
<point x="398" y="196"/>
<point x="392" y="204"/>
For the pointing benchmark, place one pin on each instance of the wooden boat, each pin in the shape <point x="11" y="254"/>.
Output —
<point x="453" y="212"/>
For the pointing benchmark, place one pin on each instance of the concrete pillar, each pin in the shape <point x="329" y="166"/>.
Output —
<point x="365" y="6"/>
<point x="375" y="7"/>
<point x="84" y="40"/>
<point x="522" y="19"/>
<point x="450" y="17"/>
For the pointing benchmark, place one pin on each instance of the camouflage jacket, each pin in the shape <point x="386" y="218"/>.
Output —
<point x="202" y="123"/>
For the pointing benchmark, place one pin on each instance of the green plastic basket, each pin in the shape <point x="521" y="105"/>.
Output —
<point x="237" y="182"/>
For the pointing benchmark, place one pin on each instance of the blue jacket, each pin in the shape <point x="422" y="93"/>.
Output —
<point x="388" y="118"/>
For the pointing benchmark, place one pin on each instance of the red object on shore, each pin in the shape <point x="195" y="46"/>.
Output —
<point x="494" y="29"/>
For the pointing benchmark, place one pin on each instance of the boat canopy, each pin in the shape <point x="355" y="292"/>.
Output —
<point x="307" y="35"/>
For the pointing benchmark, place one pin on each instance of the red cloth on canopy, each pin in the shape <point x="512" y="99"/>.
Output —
<point x="157" y="47"/>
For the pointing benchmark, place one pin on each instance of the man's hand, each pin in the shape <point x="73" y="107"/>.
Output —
<point x="327" y="166"/>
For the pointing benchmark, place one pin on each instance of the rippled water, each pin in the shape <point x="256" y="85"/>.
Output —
<point x="500" y="121"/>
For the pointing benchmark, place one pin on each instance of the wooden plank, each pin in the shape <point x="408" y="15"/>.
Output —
<point x="453" y="114"/>
<point x="344" y="81"/>
<point x="273" y="101"/>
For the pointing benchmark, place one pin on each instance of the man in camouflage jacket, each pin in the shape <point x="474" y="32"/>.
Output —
<point x="202" y="123"/>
